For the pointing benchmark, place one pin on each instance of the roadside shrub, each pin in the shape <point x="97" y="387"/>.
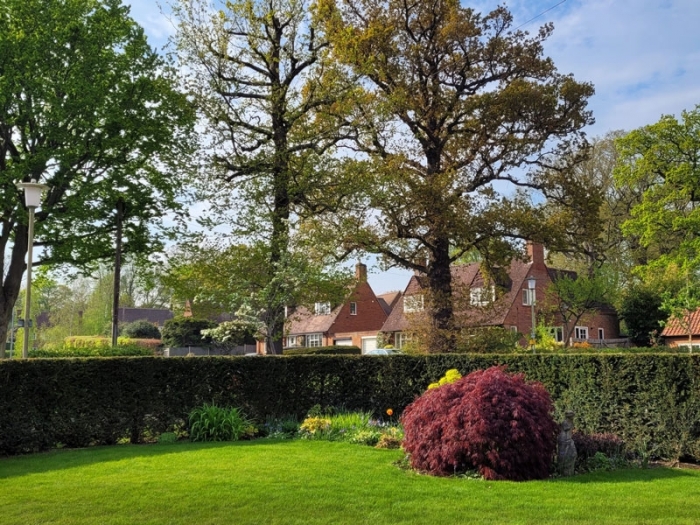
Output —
<point x="486" y="340"/>
<point x="214" y="423"/>
<point x="140" y="330"/>
<point x="324" y="350"/>
<point x="186" y="331"/>
<point x="489" y="421"/>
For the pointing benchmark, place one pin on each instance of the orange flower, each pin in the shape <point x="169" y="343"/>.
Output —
<point x="389" y="412"/>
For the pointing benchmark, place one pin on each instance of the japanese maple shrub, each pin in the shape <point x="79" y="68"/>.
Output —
<point x="490" y="421"/>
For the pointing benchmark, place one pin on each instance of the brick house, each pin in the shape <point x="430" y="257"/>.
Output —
<point x="675" y="333"/>
<point x="477" y="304"/>
<point x="354" y="323"/>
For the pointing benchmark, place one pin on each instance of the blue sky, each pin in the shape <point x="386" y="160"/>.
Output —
<point x="643" y="57"/>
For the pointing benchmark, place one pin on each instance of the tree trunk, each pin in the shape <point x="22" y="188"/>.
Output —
<point x="441" y="337"/>
<point x="12" y="282"/>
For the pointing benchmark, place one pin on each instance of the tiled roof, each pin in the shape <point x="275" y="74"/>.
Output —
<point x="674" y="328"/>
<point x="389" y="300"/>
<point x="152" y="315"/>
<point x="302" y="321"/>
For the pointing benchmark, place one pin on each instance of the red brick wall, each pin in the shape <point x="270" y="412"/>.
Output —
<point x="370" y="314"/>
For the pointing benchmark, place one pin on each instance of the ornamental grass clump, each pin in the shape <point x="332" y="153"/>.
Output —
<point x="214" y="423"/>
<point x="490" y="421"/>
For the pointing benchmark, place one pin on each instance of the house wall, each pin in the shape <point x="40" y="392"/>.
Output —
<point x="369" y="318"/>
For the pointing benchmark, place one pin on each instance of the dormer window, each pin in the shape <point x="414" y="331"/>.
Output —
<point x="323" y="308"/>
<point x="482" y="296"/>
<point x="413" y="303"/>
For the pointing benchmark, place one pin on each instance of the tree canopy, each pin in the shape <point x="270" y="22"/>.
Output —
<point x="88" y="108"/>
<point x="270" y="99"/>
<point x="453" y="103"/>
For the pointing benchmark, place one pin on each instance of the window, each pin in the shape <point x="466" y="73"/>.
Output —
<point x="557" y="332"/>
<point x="513" y="329"/>
<point x="413" y="303"/>
<point x="353" y="308"/>
<point x="314" y="340"/>
<point x="295" y="340"/>
<point x="601" y="334"/>
<point x="323" y="308"/>
<point x="529" y="297"/>
<point x="401" y="339"/>
<point x="482" y="296"/>
<point x="581" y="332"/>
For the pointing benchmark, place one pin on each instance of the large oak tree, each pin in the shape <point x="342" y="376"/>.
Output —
<point x="454" y="102"/>
<point x="88" y="108"/>
<point x="270" y="100"/>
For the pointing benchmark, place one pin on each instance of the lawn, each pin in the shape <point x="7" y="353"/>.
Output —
<point x="314" y="482"/>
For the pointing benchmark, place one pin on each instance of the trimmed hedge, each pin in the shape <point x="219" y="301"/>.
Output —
<point x="651" y="401"/>
<point x="323" y="350"/>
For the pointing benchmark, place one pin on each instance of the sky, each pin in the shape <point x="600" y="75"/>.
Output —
<point x="642" y="56"/>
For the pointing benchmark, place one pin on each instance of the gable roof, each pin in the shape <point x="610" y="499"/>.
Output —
<point x="301" y="320"/>
<point x="674" y="328"/>
<point x="388" y="301"/>
<point x="467" y="277"/>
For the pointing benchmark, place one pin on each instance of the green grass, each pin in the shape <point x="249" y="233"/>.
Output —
<point x="314" y="482"/>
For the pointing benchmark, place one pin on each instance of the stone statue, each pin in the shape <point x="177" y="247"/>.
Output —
<point x="566" y="458"/>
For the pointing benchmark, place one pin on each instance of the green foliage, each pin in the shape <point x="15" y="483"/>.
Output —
<point x="215" y="423"/>
<point x="433" y="188"/>
<point x="140" y="330"/>
<point x="324" y="350"/>
<point x="487" y="340"/>
<point x="186" y="331"/>
<point x="167" y="438"/>
<point x="642" y="314"/>
<point x="572" y="298"/>
<point x="664" y="159"/>
<point x="124" y="348"/>
<point x="652" y="401"/>
<point x="90" y="109"/>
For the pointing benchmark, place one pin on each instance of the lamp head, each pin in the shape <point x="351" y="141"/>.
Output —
<point x="32" y="192"/>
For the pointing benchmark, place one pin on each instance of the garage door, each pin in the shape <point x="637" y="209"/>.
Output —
<point x="368" y="343"/>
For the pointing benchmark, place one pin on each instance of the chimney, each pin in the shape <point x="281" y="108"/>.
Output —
<point x="535" y="251"/>
<point x="361" y="272"/>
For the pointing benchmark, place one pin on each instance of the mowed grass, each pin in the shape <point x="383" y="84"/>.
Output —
<point x="314" y="482"/>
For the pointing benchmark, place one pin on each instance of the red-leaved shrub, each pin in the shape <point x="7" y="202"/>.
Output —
<point x="489" y="421"/>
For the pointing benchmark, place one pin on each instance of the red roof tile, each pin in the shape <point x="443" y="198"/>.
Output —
<point x="674" y="328"/>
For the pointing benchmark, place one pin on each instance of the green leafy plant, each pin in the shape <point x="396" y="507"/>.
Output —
<point x="140" y="330"/>
<point x="214" y="423"/>
<point x="186" y="331"/>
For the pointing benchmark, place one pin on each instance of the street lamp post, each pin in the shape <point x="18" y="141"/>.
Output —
<point x="32" y="199"/>
<point x="531" y="281"/>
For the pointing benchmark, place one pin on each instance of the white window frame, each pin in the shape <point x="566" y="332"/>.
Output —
<point x="413" y="303"/>
<point x="579" y="331"/>
<point x="314" y="340"/>
<point x="557" y="332"/>
<point x="482" y="296"/>
<point x="401" y="339"/>
<point x="529" y="297"/>
<point x="322" y="308"/>
<point x="353" y="308"/>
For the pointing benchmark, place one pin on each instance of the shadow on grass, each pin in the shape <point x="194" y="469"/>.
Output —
<point x="71" y="458"/>
<point x="631" y="475"/>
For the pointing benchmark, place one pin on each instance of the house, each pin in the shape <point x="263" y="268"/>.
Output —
<point x="354" y="323"/>
<point x="478" y="304"/>
<point x="675" y="333"/>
